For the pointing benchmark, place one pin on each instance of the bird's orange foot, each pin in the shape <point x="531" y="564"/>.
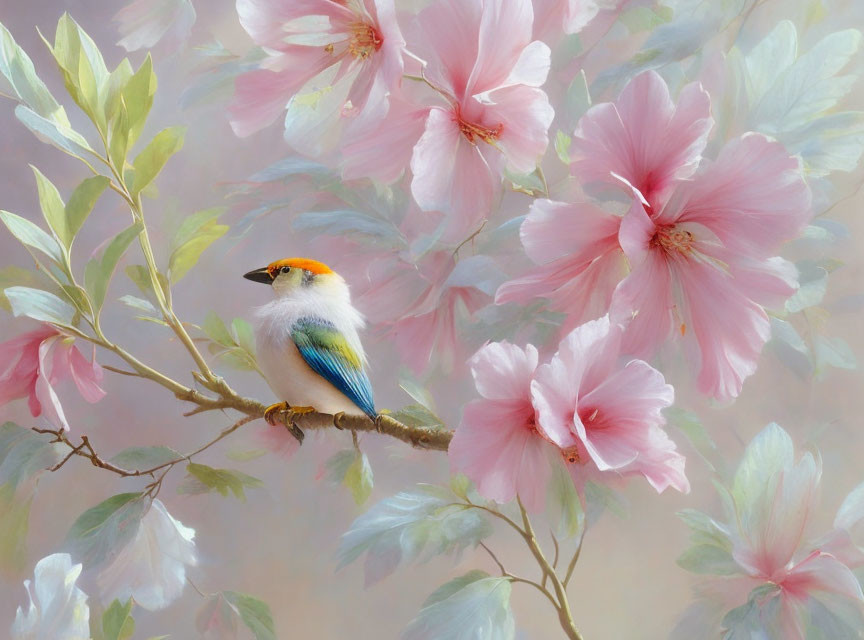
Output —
<point x="285" y="409"/>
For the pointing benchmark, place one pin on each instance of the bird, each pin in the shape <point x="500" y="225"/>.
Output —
<point x="308" y="343"/>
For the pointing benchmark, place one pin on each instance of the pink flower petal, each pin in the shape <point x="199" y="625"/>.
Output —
<point x="822" y="572"/>
<point x="47" y="397"/>
<point x="503" y="371"/>
<point x="384" y="152"/>
<point x="496" y="448"/>
<point x="753" y="197"/>
<point x="644" y="137"/>
<point x="554" y="230"/>
<point x="525" y="115"/>
<point x="450" y="174"/>
<point x="87" y="375"/>
<point x="505" y="31"/>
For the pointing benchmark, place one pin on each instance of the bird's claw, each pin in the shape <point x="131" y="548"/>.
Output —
<point x="285" y="409"/>
<point x="338" y="419"/>
<point x="291" y="414"/>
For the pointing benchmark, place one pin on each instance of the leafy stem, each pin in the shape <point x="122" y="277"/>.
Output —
<point x="558" y="597"/>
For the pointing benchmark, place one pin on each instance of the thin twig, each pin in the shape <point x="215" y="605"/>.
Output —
<point x="495" y="558"/>
<point x="574" y="560"/>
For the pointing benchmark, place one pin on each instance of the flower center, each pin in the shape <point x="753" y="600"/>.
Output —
<point x="474" y="132"/>
<point x="672" y="239"/>
<point x="365" y="40"/>
<point x="571" y="455"/>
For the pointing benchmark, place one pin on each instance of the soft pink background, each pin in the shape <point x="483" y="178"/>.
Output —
<point x="280" y="544"/>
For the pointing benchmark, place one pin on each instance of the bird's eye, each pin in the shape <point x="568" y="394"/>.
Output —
<point x="284" y="269"/>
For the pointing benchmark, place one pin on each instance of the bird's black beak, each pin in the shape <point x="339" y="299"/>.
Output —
<point x="259" y="275"/>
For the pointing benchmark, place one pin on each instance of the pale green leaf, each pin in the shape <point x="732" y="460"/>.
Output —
<point x="53" y="207"/>
<point x="187" y="255"/>
<point x="138" y="98"/>
<point x="102" y="530"/>
<point x="704" y="530"/>
<point x="18" y="69"/>
<point x="152" y="159"/>
<point x="140" y="304"/>
<point x="472" y="607"/>
<point x="40" y="305"/>
<point x="410" y="385"/>
<point x="24" y="454"/>
<point x="415" y="415"/>
<point x="98" y="272"/>
<point x="54" y="133"/>
<point x="812" y="283"/>
<point x="13" y="276"/>
<point x="708" y="559"/>
<point x="217" y="619"/>
<point x="203" y="479"/>
<point x="32" y="236"/>
<point x="562" y="147"/>
<point x="84" y="71"/>
<point x="117" y="621"/>
<point x="138" y="458"/>
<point x="216" y="330"/>
<point x="829" y="352"/>
<point x="358" y="478"/>
<point x="243" y="333"/>
<point x="254" y="613"/>
<point x="117" y="81"/>
<point x="81" y="203"/>
<point x="565" y="507"/>
<point x="692" y="427"/>
<point x="411" y="526"/>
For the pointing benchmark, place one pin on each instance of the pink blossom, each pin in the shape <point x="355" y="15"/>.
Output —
<point x="604" y="412"/>
<point x="703" y="264"/>
<point x="497" y="444"/>
<point x="769" y="506"/>
<point x="360" y="40"/>
<point x="580" y="261"/>
<point x="481" y="58"/>
<point x="429" y="326"/>
<point x="33" y="363"/>
<point x="643" y="137"/>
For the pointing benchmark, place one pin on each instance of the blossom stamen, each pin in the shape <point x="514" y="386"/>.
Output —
<point x="672" y="239"/>
<point x="473" y="131"/>
<point x="365" y="40"/>
<point x="571" y="454"/>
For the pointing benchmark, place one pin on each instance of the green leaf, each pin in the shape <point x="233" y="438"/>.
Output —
<point x="105" y="528"/>
<point x="53" y="207"/>
<point x="117" y="621"/>
<point x="705" y="530"/>
<point x="708" y="559"/>
<point x="98" y="272"/>
<point x="84" y="71"/>
<point x="216" y="330"/>
<point x="138" y="458"/>
<point x="54" y="133"/>
<point x="411" y="526"/>
<point x="833" y="352"/>
<point x="562" y="147"/>
<point x="138" y="98"/>
<point x="254" y="613"/>
<point x="564" y="504"/>
<point x="13" y="276"/>
<point x="358" y="478"/>
<point x="32" y="236"/>
<point x="81" y="203"/>
<point x="117" y="81"/>
<point x="691" y="426"/>
<point x="24" y="454"/>
<point x="152" y="159"/>
<point x="415" y="389"/>
<point x="203" y="479"/>
<point x="14" y="525"/>
<point x="195" y="235"/>
<point x="40" y="305"/>
<point x="415" y="415"/>
<point x="243" y="334"/>
<point x="217" y="618"/>
<point x="472" y="606"/>
<point x="18" y="69"/>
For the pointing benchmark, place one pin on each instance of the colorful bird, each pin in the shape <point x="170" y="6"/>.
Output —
<point x="308" y="343"/>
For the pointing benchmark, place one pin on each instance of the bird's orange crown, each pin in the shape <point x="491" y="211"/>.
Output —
<point x="313" y="266"/>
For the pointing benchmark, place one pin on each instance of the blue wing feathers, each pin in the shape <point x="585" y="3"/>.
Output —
<point x="328" y="354"/>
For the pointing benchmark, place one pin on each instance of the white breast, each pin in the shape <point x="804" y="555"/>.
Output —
<point x="288" y="375"/>
<point x="294" y="381"/>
